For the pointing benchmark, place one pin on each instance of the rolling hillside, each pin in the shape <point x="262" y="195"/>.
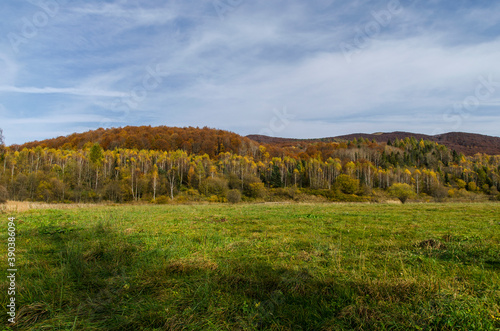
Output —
<point x="213" y="141"/>
<point x="192" y="140"/>
<point x="466" y="143"/>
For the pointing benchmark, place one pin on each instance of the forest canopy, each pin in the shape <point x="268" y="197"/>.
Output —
<point x="165" y="164"/>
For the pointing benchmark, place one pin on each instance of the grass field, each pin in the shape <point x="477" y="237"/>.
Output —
<point x="257" y="267"/>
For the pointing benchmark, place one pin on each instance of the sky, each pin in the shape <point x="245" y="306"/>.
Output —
<point x="298" y="69"/>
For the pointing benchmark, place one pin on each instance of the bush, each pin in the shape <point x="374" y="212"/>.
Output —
<point x="378" y="195"/>
<point x="162" y="200"/>
<point x="234" y="182"/>
<point x="234" y="196"/>
<point x="463" y="194"/>
<point x="214" y="186"/>
<point x="347" y="184"/>
<point x="3" y="194"/>
<point x="472" y="187"/>
<point x="257" y="190"/>
<point x="216" y="199"/>
<point x="253" y="187"/>
<point x="288" y="193"/>
<point x="401" y="191"/>
<point x="495" y="195"/>
<point x="461" y="184"/>
<point x="440" y="193"/>
<point x="192" y="193"/>
<point x="486" y="188"/>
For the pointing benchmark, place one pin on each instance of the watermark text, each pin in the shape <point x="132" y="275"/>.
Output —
<point x="12" y="270"/>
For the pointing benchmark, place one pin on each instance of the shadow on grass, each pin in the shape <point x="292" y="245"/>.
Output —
<point x="101" y="278"/>
<point x="80" y="274"/>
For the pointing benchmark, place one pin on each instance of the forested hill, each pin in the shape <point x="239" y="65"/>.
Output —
<point x="212" y="141"/>
<point x="465" y="143"/>
<point x="193" y="164"/>
<point x="192" y="140"/>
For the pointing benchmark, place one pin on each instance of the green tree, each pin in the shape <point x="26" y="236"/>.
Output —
<point x="96" y="154"/>
<point x="401" y="191"/>
<point x="276" y="177"/>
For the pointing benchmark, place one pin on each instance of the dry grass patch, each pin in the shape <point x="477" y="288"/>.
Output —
<point x="31" y="314"/>
<point x="23" y="206"/>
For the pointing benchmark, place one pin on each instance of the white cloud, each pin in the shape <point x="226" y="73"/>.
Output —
<point x="232" y="73"/>
<point x="54" y="90"/>
<point x="132" y="16"/>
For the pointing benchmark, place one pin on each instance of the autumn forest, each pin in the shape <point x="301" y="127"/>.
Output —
<point x="165" y="164"/>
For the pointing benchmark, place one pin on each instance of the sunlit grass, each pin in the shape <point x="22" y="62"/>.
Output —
<point x="259" y="266"/>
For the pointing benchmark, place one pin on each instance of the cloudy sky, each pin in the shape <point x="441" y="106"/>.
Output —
<point x="289" y="68"/>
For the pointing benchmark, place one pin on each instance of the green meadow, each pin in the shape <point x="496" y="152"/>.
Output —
<point x="256" y="267"/>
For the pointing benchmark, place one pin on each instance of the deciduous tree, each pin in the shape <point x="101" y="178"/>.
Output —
<point x="401" y="191"/>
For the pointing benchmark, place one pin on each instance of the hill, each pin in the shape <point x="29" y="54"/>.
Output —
<point x="466" y="143"/>
<point x="192" y="140"/>
<point x="192" y="164"/>
<point x="212" y="141"/>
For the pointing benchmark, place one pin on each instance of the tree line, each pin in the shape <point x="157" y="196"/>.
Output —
<point x="336" y="170"/>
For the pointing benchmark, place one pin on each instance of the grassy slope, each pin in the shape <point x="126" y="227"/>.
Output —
<point x="216" y="267"/>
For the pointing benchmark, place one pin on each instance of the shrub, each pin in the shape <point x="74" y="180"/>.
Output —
<point x="486" y="188"/>
<point x="288" y="193"/>
<point x="192" y="193"/>
<point x="378" y="195"/>
<point x="461" y="184"/>
<point x="401" y="191"/>
<point x="234" y="182"/>
<point x="162" y="200"/>
<point x="463" y="194"/>
<point x="181" y="199"/>
<point x="472" y="187"/>
<point x="440" y="193"/>
<point x="214" y="186"/>
<point x="347" y="184"/>
<point x="257" y="190"/>
<point x="234" y="196"/>
<point x="216" y="199"/>
<point x="253" y="187"/>
<point x="3" y="194"/>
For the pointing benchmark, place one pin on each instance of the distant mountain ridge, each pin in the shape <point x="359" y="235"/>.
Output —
<point x="462" y="142"/>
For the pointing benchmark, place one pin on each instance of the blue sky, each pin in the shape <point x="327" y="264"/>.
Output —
<point x="290" y="68"/>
